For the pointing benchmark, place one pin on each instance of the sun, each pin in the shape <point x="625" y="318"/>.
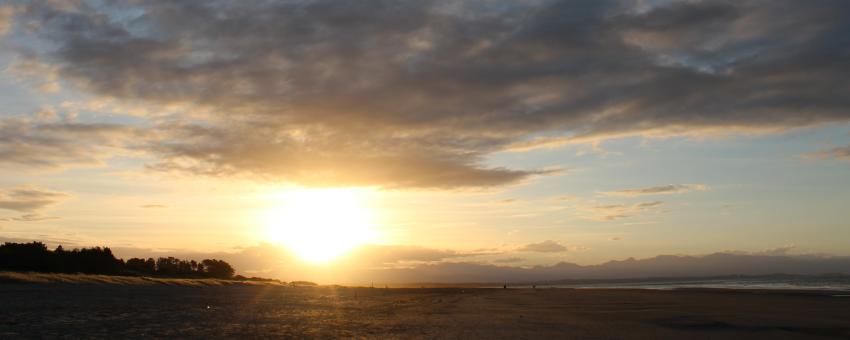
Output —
<point x="320" y="225"/>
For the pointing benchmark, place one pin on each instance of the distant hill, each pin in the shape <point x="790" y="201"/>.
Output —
<point x="450" y="267"/>
<point x="718" y="264"/>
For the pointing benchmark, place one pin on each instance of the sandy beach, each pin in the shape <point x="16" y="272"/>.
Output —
<point x="109" y="311"/>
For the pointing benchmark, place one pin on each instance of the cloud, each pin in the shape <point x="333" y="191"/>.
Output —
<point x="537" y="143"/>
<point x="420" y="93"/>
<point x="339" y="159"/>
<point x="41" y="76"/>
<point x="389" y="255"/>
<point x="152" y="206"/>
<point x="30" y="218"/>
<point x="269" y="260"/>
<point x="548" y="246"/>
<point x="658" y="190"/>
<point x="509" y="260"/>
<point x="51" y="242"/>
<point x="841" y="152"/>
<point x="264" y="257"/>
<point x="778" y="251"/>
<point x="29" y="198"/>
<point x="566" y="198"/>
<point x="56" y="144"/>
<point x="6" y="18"/>
<point x="611" y="212"/>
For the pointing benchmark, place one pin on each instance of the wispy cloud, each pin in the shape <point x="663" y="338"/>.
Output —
<point x="840" y="152"/>
<point x="389" y="255"/>
<point x="152" y="206"/>
<point x="548" y="246"/>
<point x="611" y="212"/>
<point x="30" y="218"/>
<point x="658" y="190"/>
<point x="29" y="198"/>
<point x="777" y="251"/>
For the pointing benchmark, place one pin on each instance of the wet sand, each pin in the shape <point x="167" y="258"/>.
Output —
<point x="116" y="311"/>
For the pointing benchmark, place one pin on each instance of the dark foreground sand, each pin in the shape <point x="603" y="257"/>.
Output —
<point x="115" y="311"/>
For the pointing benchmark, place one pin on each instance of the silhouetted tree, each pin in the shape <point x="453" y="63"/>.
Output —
<point x="95" y="260"/>
<point x="218" y="269"/>
<point x="167" y="266"/>
<point x="150" y="263"/>
<point x="141" y="266"/>
<point x="26" y="257"/>
<point x="36" y="257"/>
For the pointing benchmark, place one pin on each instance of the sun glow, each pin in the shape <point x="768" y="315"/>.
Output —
<point x="320" y="224"/>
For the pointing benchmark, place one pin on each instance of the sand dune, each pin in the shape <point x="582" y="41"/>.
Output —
<point x="16" y="277"/>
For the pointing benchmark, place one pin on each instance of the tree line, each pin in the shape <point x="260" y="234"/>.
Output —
<point x="36" y="257"/>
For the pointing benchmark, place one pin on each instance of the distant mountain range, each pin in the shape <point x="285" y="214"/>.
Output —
<point x="718" y="264"/>
<point x="384" y="264"/>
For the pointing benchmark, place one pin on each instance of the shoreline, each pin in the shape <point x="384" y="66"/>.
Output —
<point x="58" y="278"/>
<point x="129" y="282"/>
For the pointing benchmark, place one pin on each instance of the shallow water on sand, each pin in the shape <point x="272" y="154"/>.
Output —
<point x="838" y="283"/>
<point x="161" y="311"/>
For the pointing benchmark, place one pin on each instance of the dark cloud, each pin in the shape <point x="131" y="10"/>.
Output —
<point x="418" y="93"/>
<point x="548" y="246"/>
<point x="658" y="190"/>
<point x="321" y="159"/>
<point x="509" y="260"/>
<point x="54" y="144"/>
<point x="29" y="199"/>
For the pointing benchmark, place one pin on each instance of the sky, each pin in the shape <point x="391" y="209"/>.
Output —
<point x="510" y="133"/>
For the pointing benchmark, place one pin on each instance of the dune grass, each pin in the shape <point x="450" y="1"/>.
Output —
<point x="31" y="277"/>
